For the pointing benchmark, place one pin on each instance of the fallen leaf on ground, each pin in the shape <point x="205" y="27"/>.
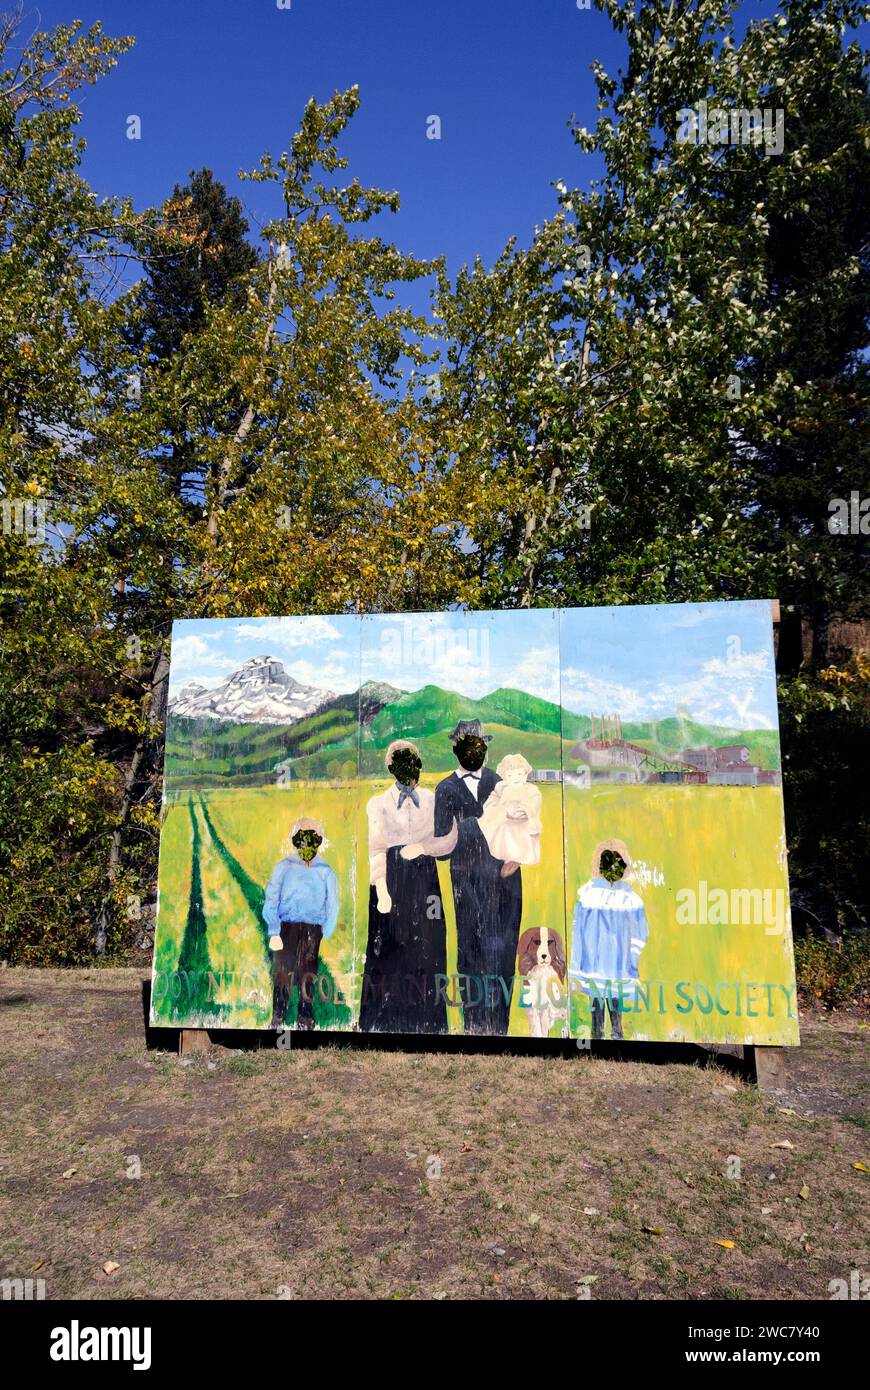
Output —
<point x="804" y="1192"/>
<point x="726" y="1244"/>
<point x="862" y="1167"/>
<point x="782" y="1144"/>
<point x="69" y="1172"/>
<point x="110" y="1267"/>
<point x="653" y="1230"/>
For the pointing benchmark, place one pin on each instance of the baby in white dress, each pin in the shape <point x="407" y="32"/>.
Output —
<point x="511" y="819"/>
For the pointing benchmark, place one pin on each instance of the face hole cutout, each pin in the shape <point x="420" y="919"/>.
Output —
<point x="470" y="752"/>
<point x="306" y="844"/>
<point x="406" y="766"/>
<point x="613" y="866"/>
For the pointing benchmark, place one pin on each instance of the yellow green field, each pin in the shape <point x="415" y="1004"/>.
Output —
<point x="218" y="848"/>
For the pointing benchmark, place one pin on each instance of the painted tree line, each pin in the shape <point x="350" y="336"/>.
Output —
<point x="656" y="400"/>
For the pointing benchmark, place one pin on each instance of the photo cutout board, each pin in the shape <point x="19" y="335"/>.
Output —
<point x="676" y="884"/>
<point x="540" y="823"/>
<point x="259" y="825"/>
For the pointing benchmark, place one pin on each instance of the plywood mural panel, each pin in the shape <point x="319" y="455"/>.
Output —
<point x="540" y="823"/>
<point x="256" y="919"/>
<point x="676" y="886"/>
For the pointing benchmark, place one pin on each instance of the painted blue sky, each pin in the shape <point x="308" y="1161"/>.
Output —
<point x="472" y="653"/>
<point x="713" y="661"/>
<point x="323" y="652"/>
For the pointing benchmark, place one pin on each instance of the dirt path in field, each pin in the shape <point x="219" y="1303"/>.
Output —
<point x="253" y="894"/>
<point x="345" y="1170"/>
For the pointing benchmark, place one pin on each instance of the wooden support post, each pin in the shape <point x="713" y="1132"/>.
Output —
<point x="775" y="615"/>
<point x="191" y="1040"/>
<point x="767" y="1066"/>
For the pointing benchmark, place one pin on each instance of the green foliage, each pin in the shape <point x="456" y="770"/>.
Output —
<point x="835" y="974"/>
<point x="194" y="258"/>
<point x="826" y="751"/>
<point x="658" y="399"/>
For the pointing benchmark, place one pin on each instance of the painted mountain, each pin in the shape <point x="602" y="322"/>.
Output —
<point x="260" y="692"/>
<point x="260" y="725"/>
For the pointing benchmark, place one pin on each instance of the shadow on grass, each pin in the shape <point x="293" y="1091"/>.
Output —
<point x="257" y="1040"/>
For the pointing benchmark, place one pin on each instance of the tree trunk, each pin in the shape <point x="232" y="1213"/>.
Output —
<point x="789" y="646"/>
<point x="222" y="481"/>
<point x="157" y="698"/>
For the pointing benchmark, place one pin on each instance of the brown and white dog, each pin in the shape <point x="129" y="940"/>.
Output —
<point x="543" y="966"/>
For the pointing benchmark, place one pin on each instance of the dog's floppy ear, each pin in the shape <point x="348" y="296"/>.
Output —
<point x="527" y="950"/>
<point x="557" y="955"/>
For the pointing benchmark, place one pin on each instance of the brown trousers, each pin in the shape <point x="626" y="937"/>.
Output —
<point x="295" y="966"/>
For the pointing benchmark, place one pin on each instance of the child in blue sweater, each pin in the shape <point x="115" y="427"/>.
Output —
<point x="301" y="908"/>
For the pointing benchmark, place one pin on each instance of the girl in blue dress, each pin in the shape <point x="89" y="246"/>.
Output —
<point x="610" y="931"/>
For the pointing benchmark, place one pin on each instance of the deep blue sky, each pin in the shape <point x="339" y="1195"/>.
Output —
<point x="217" y="82"/>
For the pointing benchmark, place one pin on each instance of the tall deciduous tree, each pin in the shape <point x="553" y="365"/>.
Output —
<point x="667" y="388"/>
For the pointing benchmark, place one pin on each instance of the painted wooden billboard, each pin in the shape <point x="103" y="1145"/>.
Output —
<point x="543" y="823"/>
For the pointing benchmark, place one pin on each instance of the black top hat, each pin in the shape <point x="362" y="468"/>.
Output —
<point x="469" y="728"/>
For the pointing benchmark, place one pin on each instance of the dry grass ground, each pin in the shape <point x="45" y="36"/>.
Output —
<point x="344" y="1171"/>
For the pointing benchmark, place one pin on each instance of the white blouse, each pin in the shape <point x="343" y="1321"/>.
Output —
<point x="412" y="825"/>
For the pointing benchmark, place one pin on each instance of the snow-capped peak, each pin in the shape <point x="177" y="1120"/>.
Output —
<point x="260" y="692"/>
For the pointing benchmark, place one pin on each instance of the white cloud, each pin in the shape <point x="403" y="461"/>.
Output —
<point x="538" y="674"/>
<point x="288" y="632"/>
<point x="193" y="659"/>
<point x="324" y="675"/>
<point x="693" y="616"/>
<point x="720" y="695"/>
<point x="738" y="666"/>
<point x="411" y="651"/>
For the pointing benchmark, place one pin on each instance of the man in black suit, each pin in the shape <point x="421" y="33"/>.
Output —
<point x="489" y="907"/>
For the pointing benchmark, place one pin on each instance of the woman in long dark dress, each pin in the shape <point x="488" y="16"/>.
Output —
<point x="407" y="940"/>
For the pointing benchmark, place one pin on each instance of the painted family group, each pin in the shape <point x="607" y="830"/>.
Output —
<point x="487" y="824"/>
